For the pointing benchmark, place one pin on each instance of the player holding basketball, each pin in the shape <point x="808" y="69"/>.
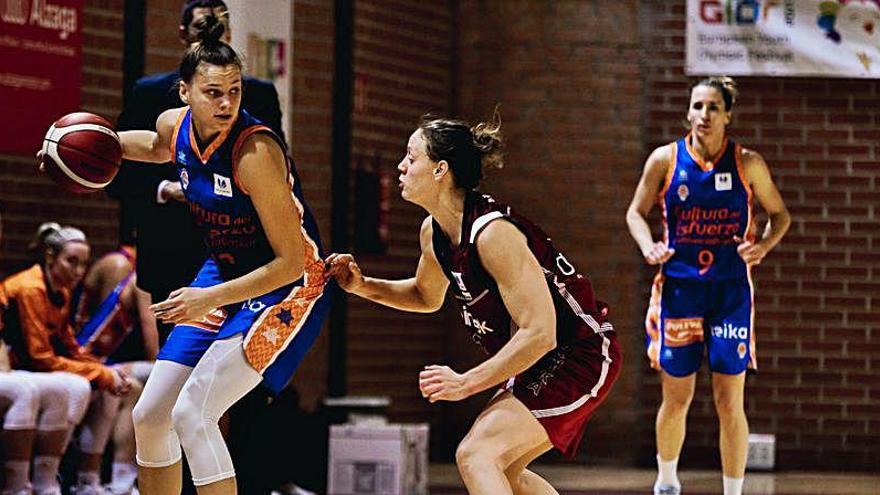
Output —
<point x="257" y="304"/>
<point x="702" y="299"/>
<point x="551" y="349"/>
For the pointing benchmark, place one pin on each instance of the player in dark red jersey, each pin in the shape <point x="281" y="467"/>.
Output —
<point x="551" y="349"/>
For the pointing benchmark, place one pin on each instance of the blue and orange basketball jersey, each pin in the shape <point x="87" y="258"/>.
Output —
<point x="279" y="326"/>
<point x="705" y="205"/>
<point x="702" y="299"/>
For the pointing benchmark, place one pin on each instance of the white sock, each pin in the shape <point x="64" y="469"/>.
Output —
<point x="88" y="478"/>
<point x="124" y="475"/>
<point x="667" y="472"/>
<point x="45" y="472"/>
<point x="733" y="486"/>
<point x="16" y="474"/>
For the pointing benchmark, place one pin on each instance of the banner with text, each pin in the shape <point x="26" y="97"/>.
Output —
<point x="823" y="38"/>
<point x="40" y="68"/>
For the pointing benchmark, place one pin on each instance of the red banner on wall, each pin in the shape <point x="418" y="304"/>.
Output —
<point x="40" y="68"/>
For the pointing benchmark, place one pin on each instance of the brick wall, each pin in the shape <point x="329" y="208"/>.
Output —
<point x="567" y="77"/>
<point x="162" y="47"/>
<point x="311" y="112"/>
<point x="587" y="89"/>
<point x="818" y="388"/>
<point x="401" y="66"/>
<point x="28" y="199"/>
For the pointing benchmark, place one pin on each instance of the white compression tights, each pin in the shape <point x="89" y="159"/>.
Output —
<point x="182" y="405"/>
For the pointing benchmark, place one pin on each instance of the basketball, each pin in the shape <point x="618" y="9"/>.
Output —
<point x="81" y="152"/>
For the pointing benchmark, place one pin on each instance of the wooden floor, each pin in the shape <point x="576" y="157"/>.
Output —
<point x="572" y="480"/>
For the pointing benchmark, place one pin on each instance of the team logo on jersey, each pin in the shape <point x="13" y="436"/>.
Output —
<point x="471" y="321"/>
<point x="723" y="182"/>
<point x="181" y="158"/>
<point x="463" y="288"/>
<point x="730" y="331"/>
<point x="679" y="332"/>
<point x="222" y="186"/>
<point x="184" y="179"/>
<point x="683" y="192"/>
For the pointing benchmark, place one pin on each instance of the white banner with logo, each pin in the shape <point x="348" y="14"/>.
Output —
<point x="826" y="38"/>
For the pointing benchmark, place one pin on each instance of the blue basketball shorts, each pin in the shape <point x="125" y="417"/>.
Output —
<point x="287" y="320"/>
<point x="688" y="319"/>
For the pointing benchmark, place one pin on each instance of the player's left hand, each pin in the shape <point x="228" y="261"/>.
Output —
<point x="184" y="304"/>
<point x="441" y="383"/>
<point x="751" y="252"/>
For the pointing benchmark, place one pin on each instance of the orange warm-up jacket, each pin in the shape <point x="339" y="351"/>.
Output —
<point x="38" y="330"/>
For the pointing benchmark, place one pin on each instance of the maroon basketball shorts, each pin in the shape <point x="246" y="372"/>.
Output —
<point x="565" y="386"/>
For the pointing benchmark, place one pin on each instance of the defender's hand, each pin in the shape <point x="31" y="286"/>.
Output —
<point x="345" y="270"/>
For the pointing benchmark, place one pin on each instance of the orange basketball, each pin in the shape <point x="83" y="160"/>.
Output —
<point x="81" y="152"/>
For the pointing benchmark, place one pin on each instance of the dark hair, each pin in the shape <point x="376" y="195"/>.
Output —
<point x="186" y="13"/>
<point x="466" y="149"/>
<point x="725" y="85"/>
<point x="208" y="49"/>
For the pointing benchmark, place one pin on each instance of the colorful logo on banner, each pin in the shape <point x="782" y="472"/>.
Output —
<point x="861" y="23"/>
<point x="743" y="12"/>
<point x="41" y="50"/>
<point x="831" y="10"/>
<point x="836" y="38"/>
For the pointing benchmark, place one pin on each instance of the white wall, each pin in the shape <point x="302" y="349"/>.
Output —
<point x="262" y="32"/>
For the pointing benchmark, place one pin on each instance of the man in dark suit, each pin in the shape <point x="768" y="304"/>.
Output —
<point x="154" y="214"/>
<point x="152" y="207"/>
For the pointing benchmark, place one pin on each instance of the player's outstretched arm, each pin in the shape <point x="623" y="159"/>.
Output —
<point x="149" y="146"/>
<point x="423" y="293"/>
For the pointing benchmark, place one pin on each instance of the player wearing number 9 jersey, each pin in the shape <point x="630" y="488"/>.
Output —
<point x="702" y="298"/>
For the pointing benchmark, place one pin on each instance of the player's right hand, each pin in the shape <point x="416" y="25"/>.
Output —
<point x="121" y="382"/>
<point x="345" y="270"/>
<point x="658" y="253"/>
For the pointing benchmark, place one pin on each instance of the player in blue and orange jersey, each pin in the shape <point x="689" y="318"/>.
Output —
<point x="702" y="301"/>
<point x="552" y="354"/>
<point x="257" y="304"/>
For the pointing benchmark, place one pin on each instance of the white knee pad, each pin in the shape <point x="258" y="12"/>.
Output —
<point x="219" y="380"/>
<point x="54" y="399"/>
<point x="99" y="421"/>
<point x="156" y="441"/>
<point x="19" y="398"/>
<point x="79" y="394"/>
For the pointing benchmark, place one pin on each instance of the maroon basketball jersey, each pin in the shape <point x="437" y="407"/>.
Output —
<point x="578" y="314"/>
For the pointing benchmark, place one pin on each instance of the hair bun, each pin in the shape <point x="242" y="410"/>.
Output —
<point x="209" y="29"/>
<point x="730" y="85"/>
<point x="489" y="142"/>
